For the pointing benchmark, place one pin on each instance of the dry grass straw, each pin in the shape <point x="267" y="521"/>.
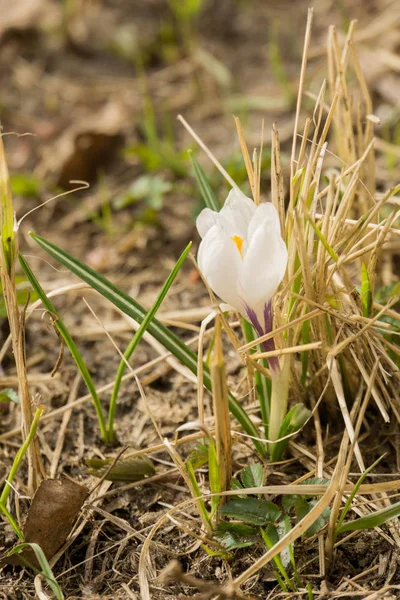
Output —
<point x="330" y="230"/>
<point x="16" y="319"/>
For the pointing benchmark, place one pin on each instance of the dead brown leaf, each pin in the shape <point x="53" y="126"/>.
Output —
<point x="51" y="516"/>
<point x="86" y="147"/>
<point x="24" y="14"/>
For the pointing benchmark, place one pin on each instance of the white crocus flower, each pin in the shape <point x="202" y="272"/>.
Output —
<point x="243" y="257"/>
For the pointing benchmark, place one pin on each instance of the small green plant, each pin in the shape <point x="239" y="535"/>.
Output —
<point x="184" y="13"/>
<point x="106" y="429"/>
<point x="13" y="471"/>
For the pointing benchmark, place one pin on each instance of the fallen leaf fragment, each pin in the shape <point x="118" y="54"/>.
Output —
<point x="129" y="469"/>
<point x="53" y="511"/>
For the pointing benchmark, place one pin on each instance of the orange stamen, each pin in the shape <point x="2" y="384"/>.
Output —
<point x="239" y="244"/>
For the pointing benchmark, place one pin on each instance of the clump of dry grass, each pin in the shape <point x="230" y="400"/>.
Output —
<point x="328" y="327"/>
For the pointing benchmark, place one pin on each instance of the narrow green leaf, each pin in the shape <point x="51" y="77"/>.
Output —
<point x="354" y="492"/>
<point x="270" y="537"/>
<point x="365" y="291"/>
<point x="126" y="469"/>
<point x="197" y="493"/>
<point x="12" y="521"/>
<point x="6" y="213"/>
<point x="305" y="339"/>
<point x="214" y="476"/>
<point x="76" y="355"/>
<point x="323" y="240"/>
<point x="208" y="195"/>
<point x="251" y="510"/>
<point x="375" y="519"/>
<point x="199" y="456"/>
<point x="284" y="526"/>
<point x="19" y="456"/>
<point x="138" y="336"/>
<point x="263" y="385"/>
<point x="294" y="421"/>
<point x="159" y="331"/>
<point x="43" y="562"/>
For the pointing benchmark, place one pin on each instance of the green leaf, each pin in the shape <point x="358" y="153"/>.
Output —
<point x="303" y="507"/>
<point x="231" y="540"/>
<point x="156" y="155"/>
<point x="150" y="188"/>
<point x="43" y="562"/>
<point x="9" y="395"/>
<point x="287" y="555"/>
<point x="208" y="195"/>
<point x="126" y="469"/>
<point x="236" y="485"/>
<point x="314" y="481"/>
<point x="8" y="247"/>
<point x="238" y="528"/>
<point x="133" y="309"/>
<point x="72" y="347"/>
<point x="25" y="185"/>
<point x="199" y="456"/>
<point x="385" y="293"/>
<point x="288" y="501"/>
<point x="270" y="537"/>
<point x="144" y="325"/>
<point x="354" y="492"/>
<point x="19" y="457"/>
<point x="263" y="385"/>
<point x="23" y="294"/>
<point x="197" y="493"/>
<point x="12" y="522"/>
<point x="294" y="420"/>
<point x="375" y="519"/>
<point x="365" y="291"/>
<point x="251" y="510"/>
<point x="305" y="339"/>
<point x="252" y="476"/>
<point x="214" y="476"/>
<point x="236" y="535"/>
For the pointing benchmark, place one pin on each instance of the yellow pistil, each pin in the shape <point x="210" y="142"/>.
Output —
<point x="239" y="244"/>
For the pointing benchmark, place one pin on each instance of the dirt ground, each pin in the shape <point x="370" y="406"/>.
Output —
<point x="81" y="84"/>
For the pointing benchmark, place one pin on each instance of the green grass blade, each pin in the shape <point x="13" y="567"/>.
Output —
<point x="196" y="493"/>
<point x="138" y="336"/>
<point x="323" y="240"/>
<point x="133" y="309"/>
<point x="43" y="562"/>
<point x="365" y="291"/>
<point x="76" y="355"/>
<point x="354" y="492"/>
<point x="19" y="456"/>
<point x="208" y="195"/>
<point x="305" y="339"/>
<point x="277" y="559"/>
<point x="12" y="521"/>
<point x="6" y="213"/>
<point x="375" y="519"/>
<point x="263" y="385"/>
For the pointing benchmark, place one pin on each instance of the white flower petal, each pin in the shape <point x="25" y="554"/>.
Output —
<point x="264" y="212"/>
<point x="219" y="261"/>
<point x="263" y="267"/>
<point x="238" y="210"/>
<point x="206" y="219"/>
